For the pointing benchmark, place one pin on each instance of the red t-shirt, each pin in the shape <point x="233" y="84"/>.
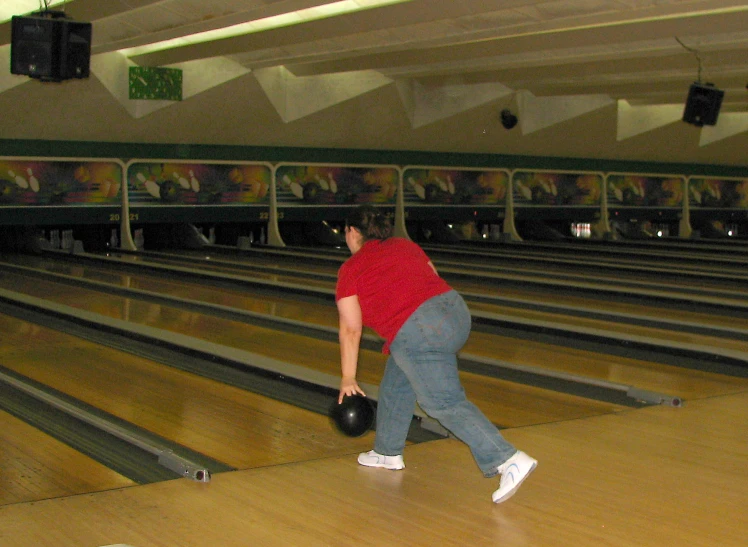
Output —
<point x="391" y="278"/>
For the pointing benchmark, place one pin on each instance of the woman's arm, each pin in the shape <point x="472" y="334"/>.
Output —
<point x="351" y="329"/>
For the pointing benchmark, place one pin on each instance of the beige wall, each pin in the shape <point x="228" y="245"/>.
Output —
<point x="239" y="113"/>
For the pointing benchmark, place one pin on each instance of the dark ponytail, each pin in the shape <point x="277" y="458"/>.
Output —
<point x="372" y="224"/>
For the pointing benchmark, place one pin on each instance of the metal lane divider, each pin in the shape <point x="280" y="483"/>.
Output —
<point x="166" y="457"/>
<point x="638" y="394"/>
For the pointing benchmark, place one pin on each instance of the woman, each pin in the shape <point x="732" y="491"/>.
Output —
<point x="390" y="285"/>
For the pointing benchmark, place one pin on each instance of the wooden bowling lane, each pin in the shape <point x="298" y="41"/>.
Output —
<point x="739" y="328"/>
<point x="618" y="273"/>
<point x="236" y="427"/>
<point x="642" y="477"/>
<point x="655" y="313"/>
<point x="594" y="301"/>
<point x="656" y="377"/>
<point x="528" y="253"/>
<point x="643" y="374"/>
<point x="294" y="272"/>
<point x="590" y="301"/>
<point x="36" y="466"/>
<point x="700" y="275"/>
<point x="506" y="403"/>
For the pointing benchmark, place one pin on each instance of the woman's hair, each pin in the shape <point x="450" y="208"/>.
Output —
<point x="372" y="223"/>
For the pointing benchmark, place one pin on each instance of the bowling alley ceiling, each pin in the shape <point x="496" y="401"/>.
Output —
<point x="547" y="61"/>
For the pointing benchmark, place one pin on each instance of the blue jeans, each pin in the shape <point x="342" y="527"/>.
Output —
<point x="422" y="368"/>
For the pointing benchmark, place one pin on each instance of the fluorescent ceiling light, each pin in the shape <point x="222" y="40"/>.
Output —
<point x="276" y="21"/>
<point x="9" y="8"/>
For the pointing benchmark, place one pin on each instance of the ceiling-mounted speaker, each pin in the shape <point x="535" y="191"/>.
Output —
<point x="35" y="47"/>
<point x="75" y="61"/>
<point x="703" y="104"/>
<point x="50" y="48"/>
<point x="508" y="120"/>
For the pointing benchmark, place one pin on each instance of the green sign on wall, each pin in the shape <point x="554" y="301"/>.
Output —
<point x="155" y="83"/>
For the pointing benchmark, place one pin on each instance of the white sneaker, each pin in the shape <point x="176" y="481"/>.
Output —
<point x="513" y="471"/>
<point x="374" y="459"/>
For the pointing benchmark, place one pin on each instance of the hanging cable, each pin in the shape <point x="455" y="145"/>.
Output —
<point x="695" y="52"/>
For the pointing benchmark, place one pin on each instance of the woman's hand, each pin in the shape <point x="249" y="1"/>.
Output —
<point x="349" y="386"/>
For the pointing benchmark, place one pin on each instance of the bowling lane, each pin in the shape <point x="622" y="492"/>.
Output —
<point x="507" y="404"/>
<point x="239" y="428"/>
<point x="672" y="380"/>
<point x="729" y="282"/>
<point x="294" y="271"/>
<point x="695" y="275"/>
<point x="36" y="466"/>
<point x="643" y="374"/>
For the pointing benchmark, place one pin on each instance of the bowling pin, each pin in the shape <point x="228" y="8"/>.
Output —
<point x="139" y="239"/>
<point x="696" y="194"/>
<point x="524" y="190"/>
<point x="20" y="181"/>
<point x="333" y="184"/>
<point x="113" y="239"/>
<point x="450" y="185"/>
<point x="67" y="240"/>
<point x="183" y="182"/>
<point x="442" y="184"/>
<point x="297" y="190"/>
<point x="549" y="186"/>
<point x="194" y="183"/>
<point x="322" y="182"/>
<point x="153" y="188"/>
<point x="417" y="188"/>
<point x="150" y="186"/>
<point x="33" y="182"/>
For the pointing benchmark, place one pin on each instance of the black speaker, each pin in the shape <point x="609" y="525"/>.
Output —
<point x="35" y="47"/>
<point x="75" y="61"/>
<point x="50" y="48"/>
<point x="508" y="120"/>
<point x="703" y="104"/>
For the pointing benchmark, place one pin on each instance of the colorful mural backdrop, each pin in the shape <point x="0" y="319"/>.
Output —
<point x="552" y="188"/>
<point x="158" y="183"/>
<point x="719" y="193"/>
<point x="645" y="191"/>
<point x="41" y="182"/>
<point x="442" y="186"/>
<point x="335" y="184"/>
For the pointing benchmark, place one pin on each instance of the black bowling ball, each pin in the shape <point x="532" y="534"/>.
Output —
<point x="354" y="416"/>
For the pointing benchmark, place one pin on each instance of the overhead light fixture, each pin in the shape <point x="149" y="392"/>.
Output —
<point x="324" y="11"/>
<point x="508" y="120"/>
